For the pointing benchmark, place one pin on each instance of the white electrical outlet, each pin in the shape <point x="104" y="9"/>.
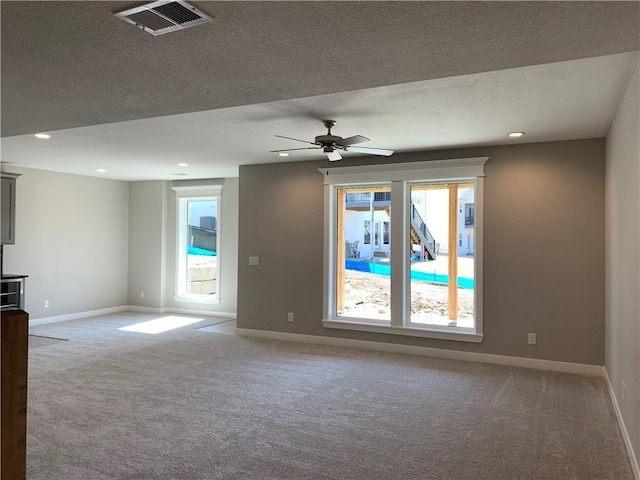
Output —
<point x="531" y="338"/>
<point x="290" y="317"/>
<point x="141" y="293"/>
<point x="254" y="261"/>
<point x="623" y="392"/>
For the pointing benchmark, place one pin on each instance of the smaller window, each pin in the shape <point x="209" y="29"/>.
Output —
<point x="198" y="243"/>
<point x="385" y="233"/>
<point x="469" y="214"/>
<point x="367" y="232"/>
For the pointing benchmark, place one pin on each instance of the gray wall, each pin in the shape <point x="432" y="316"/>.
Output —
<point x="89" y="243"/>
<point x="228" y="224"/>
<point x="152" y="245"/>
<point x="71" y="239"/>
<point x="543" y="254"/>
<point x="147" y="252"/>
<point x="622" y="342"/>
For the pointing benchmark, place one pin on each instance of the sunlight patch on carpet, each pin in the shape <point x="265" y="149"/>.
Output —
<point x="160" y="325"/>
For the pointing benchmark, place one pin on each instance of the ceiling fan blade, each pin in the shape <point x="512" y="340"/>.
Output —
<point x="296" y="139"/>
<point x="334" y="156"/>
<point x="370" y="151"/>
<point x="352" y="140"/>
<point x="293" y="149"/>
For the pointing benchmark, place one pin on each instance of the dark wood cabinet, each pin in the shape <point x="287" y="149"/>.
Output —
<point x="14" y="342"/>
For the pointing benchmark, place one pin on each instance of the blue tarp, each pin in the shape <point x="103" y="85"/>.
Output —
<point x="201" y="251"/>
<point x="383" y="269"/>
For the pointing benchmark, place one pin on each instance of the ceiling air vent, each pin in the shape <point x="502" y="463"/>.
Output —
<point x="164" y="16"/>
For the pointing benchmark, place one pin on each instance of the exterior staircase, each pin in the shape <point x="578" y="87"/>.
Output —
<point x="421" y="235"/>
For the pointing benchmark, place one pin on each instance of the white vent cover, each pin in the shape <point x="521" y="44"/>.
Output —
<point x="164" y="16"/>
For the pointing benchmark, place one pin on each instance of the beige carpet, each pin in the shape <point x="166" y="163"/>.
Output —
<point x="193" y="404"/>
<point x="36" y="341"/>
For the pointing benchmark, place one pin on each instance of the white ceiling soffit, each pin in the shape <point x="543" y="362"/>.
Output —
<point x="164" y="16"/>
<point x="551" y="102"/>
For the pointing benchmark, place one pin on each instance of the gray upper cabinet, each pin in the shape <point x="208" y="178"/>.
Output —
<point x="8" y="205"/>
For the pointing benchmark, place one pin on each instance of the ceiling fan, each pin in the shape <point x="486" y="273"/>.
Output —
<point x="331" y="144"/>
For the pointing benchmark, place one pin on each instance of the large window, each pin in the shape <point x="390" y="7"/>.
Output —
<point x="198" y="243"/>
<point x="442" y="269"/>
<point x="360" y="294"/>
<point x="401" y="255"/>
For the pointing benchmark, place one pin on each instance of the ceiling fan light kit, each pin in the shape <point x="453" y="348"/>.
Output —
<point x="331" y="144"/>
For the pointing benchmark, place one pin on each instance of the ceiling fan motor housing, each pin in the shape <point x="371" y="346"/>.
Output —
<point x="327" y="140"/>
<point x="332" y="144"/>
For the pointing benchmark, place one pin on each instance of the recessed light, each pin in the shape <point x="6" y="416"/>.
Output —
<point x="183" y="164"/>
<point x="44" y="136"/>
<point x="101" y="170"/>
<point x="283" y="154"/>
<point x="180" y="174"/>
<point x="516" y="134"/>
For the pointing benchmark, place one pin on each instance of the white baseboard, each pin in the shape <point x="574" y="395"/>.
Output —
<point x="206" y="313"/>
<point x="126" y="308"/>
<point x="75" y="316"/>
<point x="134" y="308"/>
<point x="181" y="311"/>
<point x="427" y="351"/>
<point x="623" y="428"/>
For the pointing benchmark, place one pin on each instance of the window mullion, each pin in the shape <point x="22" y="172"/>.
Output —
<point x="399" y="253"/>
<point x="453" y="252"/>
<point x="478" y="249"/>
<point x="329" y="270"/>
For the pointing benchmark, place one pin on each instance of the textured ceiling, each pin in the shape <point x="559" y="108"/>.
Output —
<point x="71" y="64"/>
<point x="409" y="75"/>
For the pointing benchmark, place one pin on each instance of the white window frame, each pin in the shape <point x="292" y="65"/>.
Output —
<point x="183" y="194"/>
<point x="401" y="176"/>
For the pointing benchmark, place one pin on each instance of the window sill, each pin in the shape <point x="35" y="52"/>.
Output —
<point x="197" y="299"/>
<point x="407" y="331"/>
